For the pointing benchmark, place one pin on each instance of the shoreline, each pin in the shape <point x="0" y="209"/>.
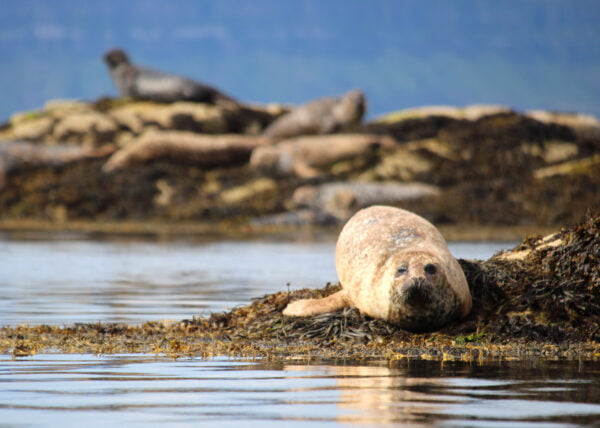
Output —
<point x="536" y="301"/>
<point x="224" y="230"/>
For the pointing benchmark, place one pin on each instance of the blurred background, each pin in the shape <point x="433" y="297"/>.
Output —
<point x="404" y="53"/>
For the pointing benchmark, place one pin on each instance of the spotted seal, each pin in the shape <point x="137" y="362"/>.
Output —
<point x="139" y="82"/>
<point x="321" y="116"/>
<point x="20" y="155"/>
<point x="396" y="266"/>
<point x="312" y="155"/>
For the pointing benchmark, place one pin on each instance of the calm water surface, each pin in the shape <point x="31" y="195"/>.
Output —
<point x="83" y="390"/>
<point x="63" y="279"/>
<point x="70" y="278"/>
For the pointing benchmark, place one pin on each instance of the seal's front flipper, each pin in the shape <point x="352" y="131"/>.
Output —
<point x="309" y="307"/>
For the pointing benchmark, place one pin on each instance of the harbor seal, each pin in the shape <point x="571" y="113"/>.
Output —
<point x="185" y="147"/>
<point x="311" y="155"/>
<point x="20" y="155"/>
<point x="144" y="83"/>
<point x="396" y="266"/>
<point x="321" y="116"/>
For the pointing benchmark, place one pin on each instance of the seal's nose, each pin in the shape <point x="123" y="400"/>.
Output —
<point x="418" y="293"/>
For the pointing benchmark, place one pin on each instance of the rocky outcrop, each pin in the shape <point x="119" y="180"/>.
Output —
<point x="119" y="121"/>
<point x="539" y="300"/>
<point x="488" y="165"/>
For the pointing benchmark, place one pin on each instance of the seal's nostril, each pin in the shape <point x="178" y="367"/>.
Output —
<point x="430" y="269"/>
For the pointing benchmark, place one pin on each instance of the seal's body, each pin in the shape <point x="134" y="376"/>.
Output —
<point x="20" y="155"/>
<point x="311" y="155"/>
<point x="396" y="266"/>
<point x="144" y="83"/>
<point x="322" y="116"/>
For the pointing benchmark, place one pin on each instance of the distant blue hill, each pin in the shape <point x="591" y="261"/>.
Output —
<point x="524" y="54"/>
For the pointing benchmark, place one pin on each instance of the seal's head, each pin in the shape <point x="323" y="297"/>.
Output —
<point x="420" y="295"/>
<point x="115" y="57"/>
<point x="353" y="106"/>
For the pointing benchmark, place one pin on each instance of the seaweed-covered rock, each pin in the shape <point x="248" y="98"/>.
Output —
<point x="492" y="166"/>
<point x="538" y="300"/>
<point x="120" y="120"/>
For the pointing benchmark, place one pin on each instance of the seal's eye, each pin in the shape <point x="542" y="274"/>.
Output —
<point x="430" y="269"/>
<point x="401" y="270"/>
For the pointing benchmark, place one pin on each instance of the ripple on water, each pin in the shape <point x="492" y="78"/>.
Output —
<point x="116" y="389"/>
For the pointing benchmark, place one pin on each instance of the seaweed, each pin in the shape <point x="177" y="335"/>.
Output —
<point x="539" y="300"/>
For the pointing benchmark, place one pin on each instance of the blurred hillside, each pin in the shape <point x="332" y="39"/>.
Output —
<point x="524" y="54"/>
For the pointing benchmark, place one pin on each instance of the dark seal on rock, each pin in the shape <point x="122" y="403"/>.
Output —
<point x="144" y="83"/>
<point x="321" y="116"/>
<point x="396" y="266"/>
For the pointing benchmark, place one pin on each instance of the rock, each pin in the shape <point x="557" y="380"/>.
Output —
<point x="578" y="166"/>
<point x="402" y="164"/>
<point x="586" y="126"/>
<point x="88" y="127"/>
<point x="255" y="188"/>
<point x="503" y="169"/>
<point x="471" y="112"/>
<point x="120" y="120"/>
<point x="32" y="129"/>
<point x="61" y="108"/>
<point x="184" y="116"/>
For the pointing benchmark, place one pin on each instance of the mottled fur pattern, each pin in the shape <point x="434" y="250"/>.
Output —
<point x="396" y="266"/>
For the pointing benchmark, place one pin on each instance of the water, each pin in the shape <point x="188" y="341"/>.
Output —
<point x="70" y="278"/>
<point x="63" y="279"/>
<point x="140" y="390"/>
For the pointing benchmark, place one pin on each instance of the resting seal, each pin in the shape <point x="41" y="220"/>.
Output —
<point x="311" y="155"/>
<point x="143" y="83"/>
<point x="20" y="155"/>
<point x="321" y="116"/>
<point x="396" y="266"/>
<point x="185" y="147"/>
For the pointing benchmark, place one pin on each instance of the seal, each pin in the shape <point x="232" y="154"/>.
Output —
<point x="311" y="155"/>
<point x="341" y="199"/>
<point x="321" y="116"/>
<point x="185" y="147"/>
<point x="21" y="155"/>
<point x="394" y="265"/>
<point x="144" y="83"/>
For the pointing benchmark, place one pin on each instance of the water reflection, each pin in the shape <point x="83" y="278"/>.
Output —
<point x="421" y="393"/>
<point x="380" y="395"/>
<point x="147" y="389"/>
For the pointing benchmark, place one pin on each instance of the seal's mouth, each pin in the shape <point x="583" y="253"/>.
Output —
<point x="418" y="294"/>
